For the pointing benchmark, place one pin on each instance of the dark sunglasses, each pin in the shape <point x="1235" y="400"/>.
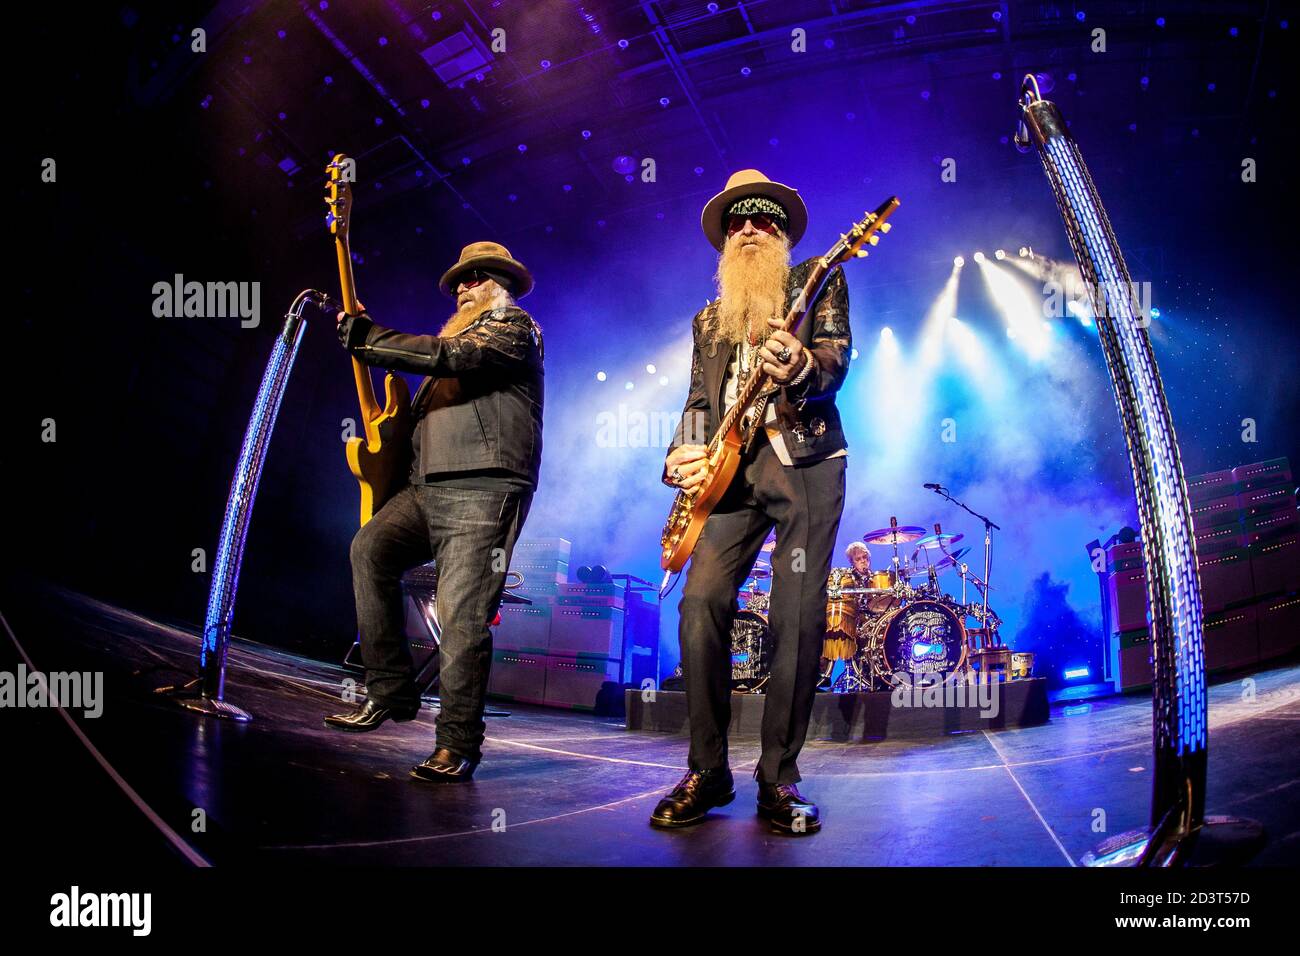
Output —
<point x="761" y="220"/>
<point x="472" y="278"/>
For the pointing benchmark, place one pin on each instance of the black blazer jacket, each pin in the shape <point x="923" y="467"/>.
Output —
<point x="806" y="414"/>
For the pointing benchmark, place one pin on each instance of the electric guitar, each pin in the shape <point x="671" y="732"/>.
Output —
<point x="723" y="452"/>
<point x="380" y="455"/>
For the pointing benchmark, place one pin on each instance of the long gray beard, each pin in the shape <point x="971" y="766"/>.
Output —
<point x="462" y="319"/>
<point x="750" y="292"/>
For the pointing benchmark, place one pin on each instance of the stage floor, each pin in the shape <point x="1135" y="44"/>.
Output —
<point x="570" y="789"/>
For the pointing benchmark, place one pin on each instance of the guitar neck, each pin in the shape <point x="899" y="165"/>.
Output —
<point x="365" y="386"/>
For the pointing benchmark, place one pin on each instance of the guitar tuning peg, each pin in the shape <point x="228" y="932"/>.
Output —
<point x="885" y="227"/>
<point x="874" y="240"/>
<point x="861" y="253"/>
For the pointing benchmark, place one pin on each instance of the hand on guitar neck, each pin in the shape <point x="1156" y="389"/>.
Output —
<point x="343" y="325"/>
<point x="782" y="354"/>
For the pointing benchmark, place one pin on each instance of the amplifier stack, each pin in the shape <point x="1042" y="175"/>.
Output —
<point x="1247" y="549"/>
<point x="578" y="644"/>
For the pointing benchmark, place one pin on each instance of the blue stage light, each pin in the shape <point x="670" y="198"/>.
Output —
<point x="1074" y="673"/>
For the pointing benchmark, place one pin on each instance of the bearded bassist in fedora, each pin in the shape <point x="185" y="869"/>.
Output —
<point x="475" y="453"/>
<point x="790" y="477"/>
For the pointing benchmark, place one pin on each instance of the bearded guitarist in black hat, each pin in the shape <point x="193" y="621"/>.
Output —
<point x="476" y="450"/>
<point x="792" y="478"/>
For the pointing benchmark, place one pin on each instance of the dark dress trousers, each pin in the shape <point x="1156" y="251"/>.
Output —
<point x="803" y="501"/>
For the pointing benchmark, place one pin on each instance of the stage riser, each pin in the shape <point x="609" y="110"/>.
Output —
<point x="856" y="717"/>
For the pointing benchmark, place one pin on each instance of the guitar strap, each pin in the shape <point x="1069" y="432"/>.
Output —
<point x="422" y="397"/>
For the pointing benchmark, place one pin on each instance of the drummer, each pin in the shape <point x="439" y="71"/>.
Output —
<point x="860" y="558"/>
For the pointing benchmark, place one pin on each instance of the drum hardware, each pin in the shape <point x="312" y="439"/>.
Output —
<point x="750" y="645"/>
<point x="989" y="528"/>
<point x="751" y="634"/>
<point x="895" y="535"/>
<point x="951" y="560"/>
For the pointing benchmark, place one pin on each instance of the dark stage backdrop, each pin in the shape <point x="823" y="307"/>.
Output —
<point x="208" y="165"/>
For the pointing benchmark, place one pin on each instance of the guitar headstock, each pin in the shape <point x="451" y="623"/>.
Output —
<point x="342" y="174"/>
<point x="865" y="232"/>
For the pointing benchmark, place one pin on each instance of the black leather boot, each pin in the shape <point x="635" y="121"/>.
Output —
<point x="443" y="766"/>
<point x="785" y="808"/>
<point x="692" y="798"/>
<point x="370" y="717"/>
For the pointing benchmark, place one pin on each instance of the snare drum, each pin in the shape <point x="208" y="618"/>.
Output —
<point x="841" y="616"/>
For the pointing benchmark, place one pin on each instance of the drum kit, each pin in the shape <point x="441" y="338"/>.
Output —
<point x="887" y="625"/>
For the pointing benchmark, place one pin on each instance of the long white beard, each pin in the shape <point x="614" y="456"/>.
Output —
<point x="751" y="289"/>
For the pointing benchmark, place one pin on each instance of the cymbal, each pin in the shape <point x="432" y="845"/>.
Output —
<point x="902" y="535"/>
<point x="760" y="574"/>
<point x="950" y="561"/>
<point x="939" y="540"/>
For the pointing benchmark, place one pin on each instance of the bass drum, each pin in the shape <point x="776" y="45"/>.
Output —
<point x="922" y="640"/>
<point x="750" y="646"/>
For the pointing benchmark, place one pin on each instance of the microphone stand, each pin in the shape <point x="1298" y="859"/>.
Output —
<point x="989" y="528"/>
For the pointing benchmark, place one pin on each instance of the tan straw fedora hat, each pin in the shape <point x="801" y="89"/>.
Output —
<point x="750" y="182"/>
<point x="491" y="257"/>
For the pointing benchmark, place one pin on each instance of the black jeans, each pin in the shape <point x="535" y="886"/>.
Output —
<point x="471" y="534"/>
<point x="804" y="502"/>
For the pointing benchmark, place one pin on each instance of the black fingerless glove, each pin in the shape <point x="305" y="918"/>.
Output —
<point x="353" y="330"/>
